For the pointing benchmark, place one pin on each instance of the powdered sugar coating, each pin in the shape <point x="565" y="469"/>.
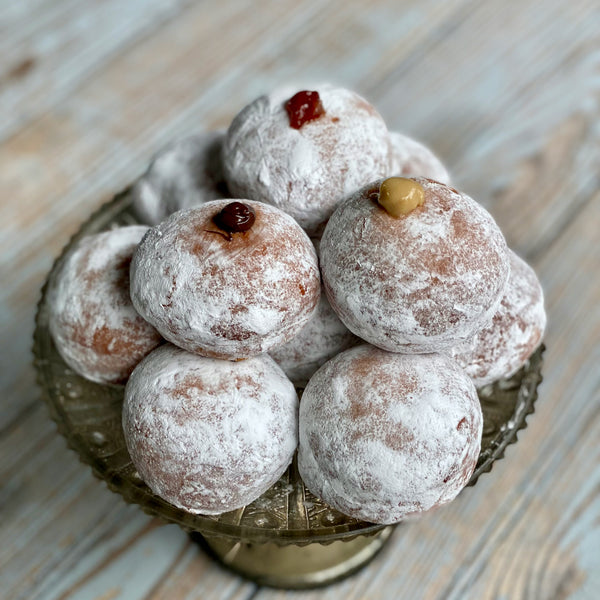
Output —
<point x="186" y="173"/>
<point x="418" y="283"/>
<point x="384" y="436"/>
<point x="502" y="348"/>
<point x="320" y="339"/>
<point x="208" y="435"/>
<point x="226" y="298"/>
<point x="91" y="318"/>
<point x="413" y="159"/>
<point x="306" y="171"/>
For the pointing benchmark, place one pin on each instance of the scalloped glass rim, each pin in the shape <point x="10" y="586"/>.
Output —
<point x="88" y="416"/>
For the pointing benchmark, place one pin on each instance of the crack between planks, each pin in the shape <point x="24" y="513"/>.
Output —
<point x="150" y="526"/>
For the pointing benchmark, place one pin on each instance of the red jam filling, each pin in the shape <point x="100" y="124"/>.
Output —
<point x="235" y="217"/>
<point x="303" y="107"/>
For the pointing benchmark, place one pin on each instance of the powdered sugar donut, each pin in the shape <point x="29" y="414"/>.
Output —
<point x="320" y="339"/>
<point x="413" y="159"/>
<point x="186" y="173"/>
<point x="503" y="347"/>
<point x="225" y="293"/>
<point x="209" y="435"/>
<point x="384" y="436"/>
<point x="91" y="318"/>
<point x="419" y="282"/>
<point x="306" y="158"/>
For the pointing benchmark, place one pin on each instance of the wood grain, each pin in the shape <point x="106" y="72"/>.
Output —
<point x="508" y="95"/>
<point x="51" y="48"/>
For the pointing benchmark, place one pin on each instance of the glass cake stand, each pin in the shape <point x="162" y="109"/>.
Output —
<point x="286" y="538"/>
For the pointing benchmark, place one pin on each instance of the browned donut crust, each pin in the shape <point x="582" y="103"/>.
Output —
<point x="226" y="296"/>
<point x="384" y="436"/>
<point x="418" y="283"/>
<point x="515" y="331"/>
<point x="92" y="320"/>
<point x="209" y="435"/>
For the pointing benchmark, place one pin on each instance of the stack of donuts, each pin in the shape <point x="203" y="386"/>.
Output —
<point x="305" y="248"/>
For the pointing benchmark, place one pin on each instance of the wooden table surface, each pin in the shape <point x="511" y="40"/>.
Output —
<point x="506" y="92"/>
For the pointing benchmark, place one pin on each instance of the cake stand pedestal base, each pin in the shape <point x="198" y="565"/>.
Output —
<point x="297" y="567"/>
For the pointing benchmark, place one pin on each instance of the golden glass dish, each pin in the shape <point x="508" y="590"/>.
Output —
<point x="287" y="537"/>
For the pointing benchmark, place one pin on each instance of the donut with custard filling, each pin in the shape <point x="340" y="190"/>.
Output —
<point x="415" y="282"/>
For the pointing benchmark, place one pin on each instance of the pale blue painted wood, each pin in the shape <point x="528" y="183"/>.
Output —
<point x="135" y="574"/>
<point x="507" y="93"/>
<point x="49" y="51"/>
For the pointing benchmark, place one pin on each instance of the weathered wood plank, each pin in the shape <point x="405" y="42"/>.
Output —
<point x="515" y="118"/>
<point x="18" y="446"/>
<point x="188" y="579"/>
<point x="50" y="49"/>
<point x="66" y="535"/>
<point x="554" y="495"/>
<point x="134" y="567"/>
<point x="508" y="96"/>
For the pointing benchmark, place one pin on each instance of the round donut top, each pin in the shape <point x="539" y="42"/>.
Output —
<point x="186" y="173"/>
<point x="222" y="294"/>
<point x="516" y="330"/>
<point x="306" y="171"/>
<point x="427" y="279"/>
<point x="384" y="436"/>
<point x="92" y="320"/>
<point x="209" y="435"/>
<point x="413" y="159"/>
